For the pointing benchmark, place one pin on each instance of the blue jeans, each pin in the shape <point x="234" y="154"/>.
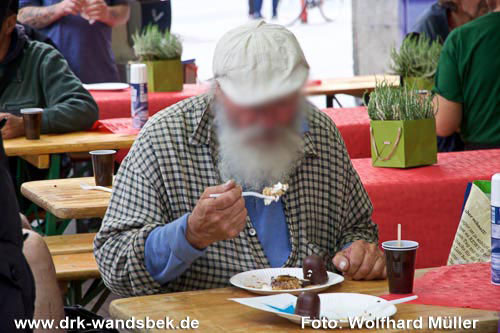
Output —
<point x="257" y="7"/>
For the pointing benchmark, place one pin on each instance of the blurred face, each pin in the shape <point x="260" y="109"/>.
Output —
<point x="493" y="4"/>
<point x="473" y="8"/>
<point x="268" y="119"/>
<point x="259" y="145"/>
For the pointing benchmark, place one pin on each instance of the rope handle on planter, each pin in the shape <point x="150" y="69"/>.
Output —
<point x="394" y="146"/>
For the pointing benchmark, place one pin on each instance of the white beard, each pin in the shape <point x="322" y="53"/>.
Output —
<point x="256" y="166"/>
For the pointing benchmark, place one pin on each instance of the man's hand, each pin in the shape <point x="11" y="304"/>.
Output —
<point x="13" y="128"/>
<point x="361" y="261"/>
<point x="97" y="10"/>
<point x="216" y="219"/>
<point x="70" y="7"/>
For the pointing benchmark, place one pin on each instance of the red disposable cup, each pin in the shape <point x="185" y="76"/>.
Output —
<point x="400" y="259"/>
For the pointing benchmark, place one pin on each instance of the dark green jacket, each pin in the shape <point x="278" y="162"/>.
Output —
<point x="43" y="79"/>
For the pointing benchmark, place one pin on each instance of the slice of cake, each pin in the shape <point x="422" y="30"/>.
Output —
<point x="285" y="282"/>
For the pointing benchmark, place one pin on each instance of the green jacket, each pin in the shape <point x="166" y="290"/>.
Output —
<point x="43" y="79"/>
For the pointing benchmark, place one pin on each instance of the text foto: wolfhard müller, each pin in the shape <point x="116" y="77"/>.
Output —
<point x="438" y="322"/>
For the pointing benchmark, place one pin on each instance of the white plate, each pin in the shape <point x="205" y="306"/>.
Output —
<point x="334" y="306"/>
<point x="109" y="86"/>
<point x="254" y="280"/>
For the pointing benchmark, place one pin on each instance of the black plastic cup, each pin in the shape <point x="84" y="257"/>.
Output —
<point x="103" y="163"/>
<point x="32" y="119"/>
<point x="400" y="258"/>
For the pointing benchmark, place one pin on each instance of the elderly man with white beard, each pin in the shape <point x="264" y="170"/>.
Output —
<point x="163" y="232"/>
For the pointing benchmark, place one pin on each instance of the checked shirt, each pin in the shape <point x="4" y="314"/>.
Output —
<point x="171" y="163"/>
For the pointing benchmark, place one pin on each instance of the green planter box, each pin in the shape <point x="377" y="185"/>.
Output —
<point x="403" y="143"/>
<point x="419" y="83"/>
<point x="165" y="75"/>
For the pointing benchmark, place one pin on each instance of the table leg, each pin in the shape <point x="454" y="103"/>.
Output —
<point x="329" y="101"/>
<point x="51" y="227"/>
<point x="55" y="167"/>
<point x="337" y="100"/>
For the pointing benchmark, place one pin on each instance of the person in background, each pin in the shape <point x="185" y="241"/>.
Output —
<point x="257" y="9"/>
<point x="81" y="29"/>
<point x="163" y="232"/>
<point x="35" y="75"/>
<point x="25" y="263"/>
<point x="437" y="22"/>
<point x="467" y="82"/>
<point x="17" y="285"/>
<point x="445" y="15"/>
<point x="250" y="8"/>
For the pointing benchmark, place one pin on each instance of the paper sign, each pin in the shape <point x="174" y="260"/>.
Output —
<point x="473" y="237"/>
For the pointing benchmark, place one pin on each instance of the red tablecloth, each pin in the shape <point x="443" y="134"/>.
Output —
<point x="116" y="104"/>
<point x="462" y="286"/>
<point x="354" y="125"/>
<point x="426" y="201"/>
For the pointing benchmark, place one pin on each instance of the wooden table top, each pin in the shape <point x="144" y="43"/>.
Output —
<point x="70" y="244"/>
<point x="65" y="199"/>
<point x="76" y="266"/>
<point x="355" y="86"/>
<point x="67" y="143"/>
<point x="216" y="313"/>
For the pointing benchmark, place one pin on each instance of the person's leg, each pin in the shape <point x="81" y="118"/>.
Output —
<point x="48" y="301"/>
<point x="275" y="8"/>
<point x="257" y="8"/>
<point x="250" y="7"/>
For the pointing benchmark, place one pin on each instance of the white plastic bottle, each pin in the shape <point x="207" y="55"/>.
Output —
<point x="139" y="91"/>
<point x="495" y="229"/>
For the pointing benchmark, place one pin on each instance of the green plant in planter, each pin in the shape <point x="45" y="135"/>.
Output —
<point x="416" y="61"/>
<point x="402" y="127"/>
<point x="161" y="52"/>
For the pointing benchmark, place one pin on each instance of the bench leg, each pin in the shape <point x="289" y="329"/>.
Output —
<point x="100" y="301"/>
<point x="97" y="290"/>
<point x="74" y="293"/>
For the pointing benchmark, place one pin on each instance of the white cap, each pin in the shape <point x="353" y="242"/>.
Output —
<point x="258" y="62"/>
<point x="138" y="73"/>
<point x="495" y="190"/>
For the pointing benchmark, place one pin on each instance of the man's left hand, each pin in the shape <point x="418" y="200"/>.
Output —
<point x="361" y="261"/>
<point x="13" y="128"/>
<point x="96" y="10"/>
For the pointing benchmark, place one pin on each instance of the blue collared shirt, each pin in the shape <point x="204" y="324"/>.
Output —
<point x="168" y="254"/>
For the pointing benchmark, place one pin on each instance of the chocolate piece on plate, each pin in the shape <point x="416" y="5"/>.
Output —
<point x="314" y="269"/>
<point x="308" y="305"/>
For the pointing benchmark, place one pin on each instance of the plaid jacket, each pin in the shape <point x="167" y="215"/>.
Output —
<point x="175" y="158"/>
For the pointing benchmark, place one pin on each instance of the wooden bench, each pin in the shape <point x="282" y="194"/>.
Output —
<point x="76" y="266"/>
<point x="70" y="244"/>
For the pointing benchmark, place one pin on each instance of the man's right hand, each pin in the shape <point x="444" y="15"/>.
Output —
<point x="71" y="7"/>
<point x="216" y="219"/>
